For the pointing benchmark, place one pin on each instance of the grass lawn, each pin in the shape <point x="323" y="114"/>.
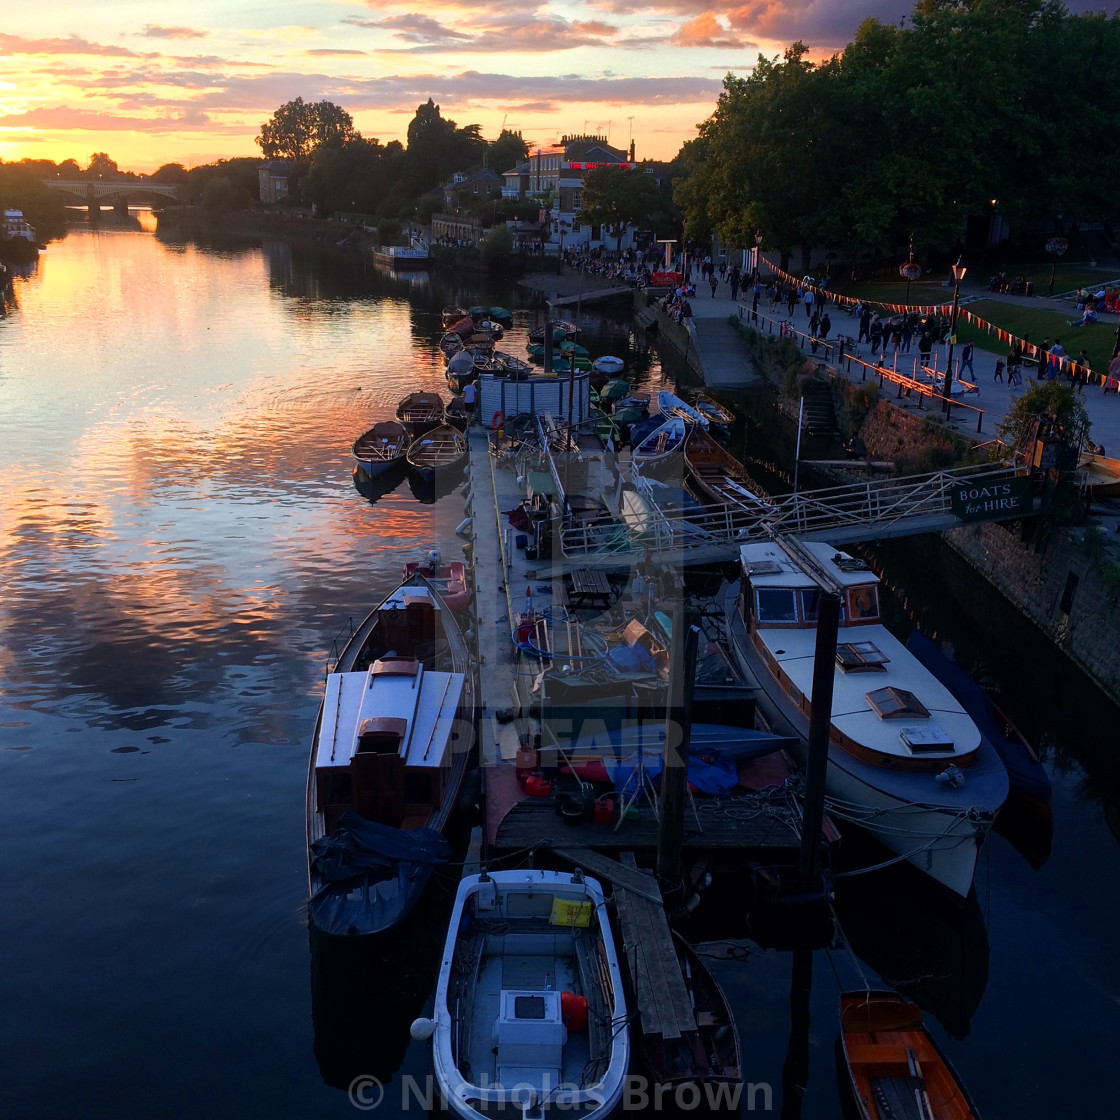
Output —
<point x="1097" y="339"/>
<point x="931" y="289"/>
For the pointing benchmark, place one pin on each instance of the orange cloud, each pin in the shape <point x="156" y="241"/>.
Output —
<point x="708" y="30"/>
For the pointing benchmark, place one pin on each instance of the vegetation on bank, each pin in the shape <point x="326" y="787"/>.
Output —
<point x="913" y="131"/>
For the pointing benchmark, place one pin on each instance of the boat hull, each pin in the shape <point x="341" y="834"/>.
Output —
<point x="379" y="901"/>
<point x="933" y="828"/>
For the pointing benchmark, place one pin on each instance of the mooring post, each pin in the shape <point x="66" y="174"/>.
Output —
<point x="820" y="720"/>
<point x="678" y="732"/>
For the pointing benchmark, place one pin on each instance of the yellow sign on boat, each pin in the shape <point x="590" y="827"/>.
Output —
<point x="569" y="912"/>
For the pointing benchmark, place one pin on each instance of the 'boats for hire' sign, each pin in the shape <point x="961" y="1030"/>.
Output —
<point x="982" y="501"/>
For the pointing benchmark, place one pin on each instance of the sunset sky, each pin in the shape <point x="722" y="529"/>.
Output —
<point x="190" y="82"/>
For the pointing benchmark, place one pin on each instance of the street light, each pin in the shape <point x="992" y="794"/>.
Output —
<point x="757" y="249"/>
<point x="909" y="270"/>
<point x="1056" y="247"/>
<point x="958" y="275"/>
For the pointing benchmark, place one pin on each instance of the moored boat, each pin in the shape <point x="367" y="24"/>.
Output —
<point x="906" y="763"/>
<point x="714" y="412"/>
<point x="562" y="331"/>
<point x="608" y="364"/>
<point x="391" y="747"/>
<point x="895" y="1068"/>
<point x="530" y="1014"/>
<point x="709" y="1055"/>
<point x="661" y="453"/>
<point x="451" y="315"/>
<point x="719" y="477"/>
<point x="381" y="448"/>
<point x="1102" y="475"/>
<point x="437" y="452"/>
<point x="420" y="412"/>
<point x="450" y="580"/>
<point x="672" y="405"/>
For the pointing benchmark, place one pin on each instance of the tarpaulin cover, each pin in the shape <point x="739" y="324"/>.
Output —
<point x="358" y="845"/>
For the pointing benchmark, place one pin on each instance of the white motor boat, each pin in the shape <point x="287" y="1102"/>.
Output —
<point x="530" y="1017"/>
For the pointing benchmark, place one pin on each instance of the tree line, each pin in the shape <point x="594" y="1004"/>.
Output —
<point x="974" y="106"/>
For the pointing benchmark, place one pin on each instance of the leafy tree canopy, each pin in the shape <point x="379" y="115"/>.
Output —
<point x="506" y="152"/>
<point x="298" y="128"/>
<point x="618" y="198"/>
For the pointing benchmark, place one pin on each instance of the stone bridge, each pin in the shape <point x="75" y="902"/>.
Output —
<point x="93" y="192"/>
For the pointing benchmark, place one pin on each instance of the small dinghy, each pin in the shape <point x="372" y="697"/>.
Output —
<point x="896" y="1070"/>
<point x="450" y="580"/>
<point x="608" y="365"/>
<point x="661" y="453"/>
<point x="420" y="412"/>
<point x="672" y="405"/>
<point x="437" y="452"/>
<point x="530" y="1016"/>
<point x="382" y="447"/>
<point x="713" y="411"/>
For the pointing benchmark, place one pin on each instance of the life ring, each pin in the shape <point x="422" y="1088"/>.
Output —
<point x="497" y="420"/>
<point x="863" y="603"/>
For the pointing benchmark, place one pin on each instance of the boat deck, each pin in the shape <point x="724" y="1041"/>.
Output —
<point x="761" y="820"/>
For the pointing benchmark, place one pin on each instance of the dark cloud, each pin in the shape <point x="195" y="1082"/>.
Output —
<point x="423" y="31"/>
<point x="157" y="31"/>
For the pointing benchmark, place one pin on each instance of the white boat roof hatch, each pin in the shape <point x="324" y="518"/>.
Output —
<point x="760" y="558"/>
<point x="852" y="713"/>
<point x="426" y="701"/>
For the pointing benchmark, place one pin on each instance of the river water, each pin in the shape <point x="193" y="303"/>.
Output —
<point x="181" y="544"/>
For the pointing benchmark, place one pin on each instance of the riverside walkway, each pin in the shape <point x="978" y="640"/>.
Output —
<point x="725" y="368"/>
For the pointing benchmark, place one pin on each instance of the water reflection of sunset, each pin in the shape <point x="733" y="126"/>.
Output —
<point x="175" y="478"/>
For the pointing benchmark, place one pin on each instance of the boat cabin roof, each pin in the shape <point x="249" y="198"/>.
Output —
<point x="392" y="697"/>
<point x="767" y="565"/>
<point x="407" y="596"/>
<point x="873" y="701"/>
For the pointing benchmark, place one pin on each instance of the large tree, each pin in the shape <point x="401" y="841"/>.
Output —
<point x="506" y="152"/>
<point x="618" y="197"/>
<point x="298" y="128"/>
<point x="436" y="148"/>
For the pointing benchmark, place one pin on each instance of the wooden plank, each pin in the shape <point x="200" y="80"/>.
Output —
<point x="617" y="873"/>
<point x="660" y="955"/>
<point x="647" y="1005"/>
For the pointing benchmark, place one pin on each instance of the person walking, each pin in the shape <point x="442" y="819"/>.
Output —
<point x="864" y="325"/>
<point x="791" y="300"/>
<point x="1081" y="371"/>
<point x="875" y="335"/>
<point x="925" y="347"/>
<point x="999" y="371"/>
<point x="733" y="280"/>
<point x="826" y="325"/>
<point x="470" y="394"/>
<point x="1043" y="360"/>
<point x="713" y="280"/>
<point x="907" y="334"/>
<point x="808" y="302"/>
<point x="966" y="362"/>
<point x="1057" y="357"/>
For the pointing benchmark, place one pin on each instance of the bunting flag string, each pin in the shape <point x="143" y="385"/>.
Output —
<point x="1029" y="349"/>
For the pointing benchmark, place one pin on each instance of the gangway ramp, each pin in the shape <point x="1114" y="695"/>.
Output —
<point x="875" y="509"/>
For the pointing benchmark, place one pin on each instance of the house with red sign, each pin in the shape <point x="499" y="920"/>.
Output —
<point x="554" y="173"/>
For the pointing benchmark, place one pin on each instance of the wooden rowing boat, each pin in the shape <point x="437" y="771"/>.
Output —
<point x="1102" y="475"/>
<point x="719" y="477"/>
<point x="709" y="1055"/>
<point x="896" y="1070"/>
<point x="420" y="412"/>
<point x="437" y="452"/>
<point x="672" y="405"/>
<point x="713" y="411"/>
<point x="661" y="453"/>
<point x="382" y="447"/>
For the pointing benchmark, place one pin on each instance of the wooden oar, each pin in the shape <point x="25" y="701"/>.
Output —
<point x="921" y="1096"/>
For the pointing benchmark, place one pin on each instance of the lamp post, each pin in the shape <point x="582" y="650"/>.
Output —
<point x="958" y="275"/>
<point x="757" y="249"/>
<point x="1056" y="247"/>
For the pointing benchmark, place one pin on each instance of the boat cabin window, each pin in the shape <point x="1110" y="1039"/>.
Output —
<point x="860" y="657"/>
<point x="810" y="603"/>
<point x="894" y="703"/>
<point x="776" y="604"/>
<point x="863" y="602"/>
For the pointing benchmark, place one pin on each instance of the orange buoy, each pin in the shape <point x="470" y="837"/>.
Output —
<point x="497" y="420"/>
<point x="573" y="1010"/>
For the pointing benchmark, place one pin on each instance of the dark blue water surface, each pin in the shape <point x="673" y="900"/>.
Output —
<point x="181" y="542"/>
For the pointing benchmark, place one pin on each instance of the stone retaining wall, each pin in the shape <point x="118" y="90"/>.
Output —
<point x="1063" y="589"/>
